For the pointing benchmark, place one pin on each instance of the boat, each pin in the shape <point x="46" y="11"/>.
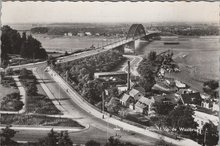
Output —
<point x="171" y="43"/>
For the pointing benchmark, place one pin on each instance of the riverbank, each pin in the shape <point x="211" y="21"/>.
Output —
<point x="198" y="58"/>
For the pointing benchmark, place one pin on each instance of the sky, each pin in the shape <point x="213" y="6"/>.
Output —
<point x="145" y="12"/>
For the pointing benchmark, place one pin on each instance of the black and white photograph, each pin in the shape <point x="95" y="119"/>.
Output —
<point x="109" y="73"/>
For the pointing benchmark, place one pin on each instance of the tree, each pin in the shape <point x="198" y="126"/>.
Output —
<point x="56" y="139"/>
<point x="92" y="91"/>
<point x="163" y="107"/>
<point x="18" y="105"/>
<point x="32" y="89"/>
<point x="210" y="134"/>
<point x="147" y="83"/>
<point x="6" y="137"/>
<point x="152" y="56"/>
<point x="162" y="142"/>
<point x="64" y="139"/>
<point x="113" y="92"/>
<point x="116" y="142"/>
<point x="14" y="43"/>
<point x="92" y="143"/>
<point x="66" y="53"/>
<point x="181" y="117"/>
<point x="23" y="73"/>
<point x="50" y="140"/>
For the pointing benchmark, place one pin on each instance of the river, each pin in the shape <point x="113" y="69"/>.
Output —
<point x="198" y="57"/>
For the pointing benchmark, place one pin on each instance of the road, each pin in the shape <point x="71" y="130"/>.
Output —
<point x="99" y="129"/>
<point x="135" y="60"/>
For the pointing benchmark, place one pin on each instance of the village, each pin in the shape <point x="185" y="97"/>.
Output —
<point x="133" y="104"/>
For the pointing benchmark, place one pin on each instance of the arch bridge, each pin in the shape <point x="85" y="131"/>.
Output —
<point x="137" y="31"/>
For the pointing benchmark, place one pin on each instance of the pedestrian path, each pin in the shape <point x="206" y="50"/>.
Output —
<point x="46" y="128"/>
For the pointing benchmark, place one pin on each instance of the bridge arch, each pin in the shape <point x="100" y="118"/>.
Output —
<point x="136" y="30"/>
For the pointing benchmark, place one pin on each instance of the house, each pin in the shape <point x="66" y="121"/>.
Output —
<point x="210" y="104"/>
<point x="173" y="98"/>
<point x="126" y="100"/>
<point x="112" y="77"/>
<point x="215" y="106"/>
<point x="206" y="104"/>
<point x="97" y="34"/>
<point x="135" y="94"/>
<point x="184" y="91"/>
<point x="180" y="84"/>
<point x="143" y="105"/>
<point x="201" y="118"/>
<point x="191" y="98"/>
<point x="69" y="34"/>
<point x="205" y="96"/>
<point x="81" y="34"/>
<point x="88" y="33"/>
<point x="122" y="88"/>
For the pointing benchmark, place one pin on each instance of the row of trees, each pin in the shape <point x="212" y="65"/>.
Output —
<point x="211" y="88"/>
<point x="54" y="138"/>
<point x="150" y="66"/>
<point x="13" y="43"/>
<point x="81" y="73"/>
<point x="179" y="119"/>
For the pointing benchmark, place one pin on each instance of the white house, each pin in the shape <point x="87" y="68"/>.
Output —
<point x="180" y="84"/>
<point x="88" y="33"/>
<point x="201" y="118"/>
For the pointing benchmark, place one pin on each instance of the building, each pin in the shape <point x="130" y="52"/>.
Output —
<point x="143" y="105"/>
<point x="180" y="84"/>
<point x="173" y="98"/>
<point x="88" y="33"/>
<point x="202" y="118"/>
<point x="112" y="77"/>
<point x="81" y="34"/>
<point x="135" y="94"/>
<point x="97" y="34"/>
<point x="209" y="104"/>
<point x="126" y="100"/>
<point x="191" y="99"/>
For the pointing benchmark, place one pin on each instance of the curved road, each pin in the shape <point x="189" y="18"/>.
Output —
<point x="99" y="130"/>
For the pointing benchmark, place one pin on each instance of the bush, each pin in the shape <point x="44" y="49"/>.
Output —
<point x="8" y="82"/>
<point x="12" y="102"/>
<point x="32" y="89"/>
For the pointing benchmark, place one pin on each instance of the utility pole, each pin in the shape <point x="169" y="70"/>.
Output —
<point x="204" y="141"/>
<point x="67" y="76"/>
<point x="129" y="76"/>
<point x="103" y="103"/>
<point x="59" y="95"/>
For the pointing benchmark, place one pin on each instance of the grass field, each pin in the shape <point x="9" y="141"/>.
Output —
<point x="6" y="90"/>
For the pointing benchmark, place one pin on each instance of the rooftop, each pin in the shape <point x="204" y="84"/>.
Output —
<point x="169" y="97"/>
<point x="192" y="98"/>
<point x="125" y="97"/>
<point x="145" y="100"/>
<point x="133" y="92"/>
